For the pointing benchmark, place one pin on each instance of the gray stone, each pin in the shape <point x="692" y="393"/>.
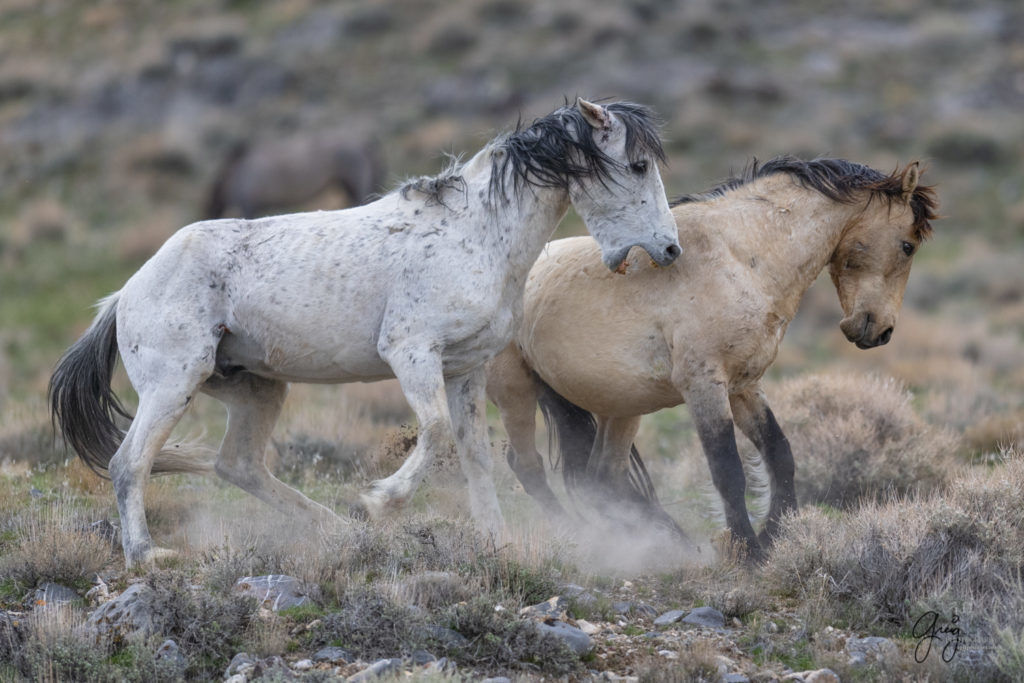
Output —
<point x="380" y="668"/>
<point x="636" y="609"/>
<point x="274" y="668"/>
<point x="813" y="676"/>
<point x="439" y="666"/>
<point x="615" y="678"/>
<point x="129" y="613"/>
<point x="578" y="641"/>
<point x="670" y="617"/>
<point x="623" y="607"/>
<point x="821" y="676"/>
<point x="333" y="655"/>
<point x="873" y="649"/>
<point x="242" y="663"/>
<point x="735" y="678"/>
<point x="171" y="657"/>
<point x="445" y="636"/>
<point x="422" y="657"/>
<point x="705" y="616"/>
<point x="572" y="590"/>
<point x="12" y="630"/>
<point x="54" y="595"/>
<point x="105" y="530"/>
<point x="552" y="608"/>
<point x="275" y="591"/>
<point x="497" y="679"/>
<point x="641" y="609"/>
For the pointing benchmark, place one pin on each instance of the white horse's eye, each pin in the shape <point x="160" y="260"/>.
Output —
<point x="639" y="167"/>
<point x="908" y="248"/>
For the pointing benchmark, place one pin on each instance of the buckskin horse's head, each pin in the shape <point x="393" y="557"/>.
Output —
<point x="871" y="265"/>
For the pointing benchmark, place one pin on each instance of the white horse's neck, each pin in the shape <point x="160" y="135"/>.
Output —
<point x="519" y="224"/>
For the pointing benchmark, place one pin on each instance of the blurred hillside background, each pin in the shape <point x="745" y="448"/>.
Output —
<point x="115" y="117"/>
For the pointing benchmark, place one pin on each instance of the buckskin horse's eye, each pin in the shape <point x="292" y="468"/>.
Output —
<point x="639" y="167"/>
<point x="908" y="248"/>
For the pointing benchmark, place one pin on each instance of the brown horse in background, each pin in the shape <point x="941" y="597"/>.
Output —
<point x="259" y="179"/>
<point x="599" y="349"/>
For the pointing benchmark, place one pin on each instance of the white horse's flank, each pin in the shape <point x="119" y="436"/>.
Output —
<point x="424" y="285"/>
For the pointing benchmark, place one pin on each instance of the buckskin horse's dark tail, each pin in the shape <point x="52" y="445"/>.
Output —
<point x="571" y="435"/>
<point x="83" y="407"/>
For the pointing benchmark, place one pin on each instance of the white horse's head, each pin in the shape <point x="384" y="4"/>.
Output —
<point x="622" y="201"/>
<point x="606" y="159"/>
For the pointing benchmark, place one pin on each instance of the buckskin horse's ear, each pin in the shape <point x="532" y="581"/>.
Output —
<point x="596" y="115"/>
<point x="911" y="174"/>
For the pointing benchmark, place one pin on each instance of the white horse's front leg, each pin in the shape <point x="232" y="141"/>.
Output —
<point x="468" y="407"/>
<point x="419" y="371"/>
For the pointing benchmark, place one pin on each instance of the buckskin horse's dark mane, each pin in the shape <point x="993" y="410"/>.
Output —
<point x="837" y="179"/>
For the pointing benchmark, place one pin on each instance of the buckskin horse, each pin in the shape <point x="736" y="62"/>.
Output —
<point x="598" y="349"/>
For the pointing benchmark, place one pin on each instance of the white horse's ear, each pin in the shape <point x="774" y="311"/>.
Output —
<point x="596" y="115"/>
<point x="911" y="175"/>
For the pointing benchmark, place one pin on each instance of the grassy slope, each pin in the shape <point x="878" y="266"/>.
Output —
<point x="110" y="129"/>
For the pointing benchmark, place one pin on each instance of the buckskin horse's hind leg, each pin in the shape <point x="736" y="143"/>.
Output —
<point x="512" y="387"/>
<point x="617" y="480"/>
<point x="254" y="404"/>
<point x="755" y="419"/>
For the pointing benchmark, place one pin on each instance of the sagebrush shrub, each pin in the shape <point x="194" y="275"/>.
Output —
<point x="885" y="564"/>
<point x="857" y="437"/>
<point x="52" y="541"/>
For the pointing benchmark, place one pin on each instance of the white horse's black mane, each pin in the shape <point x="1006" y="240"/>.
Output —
<point x="551" y="152"/>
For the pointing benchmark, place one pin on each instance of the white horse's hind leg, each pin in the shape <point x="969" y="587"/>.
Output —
<point x="468" y="407"/>
<point x="253" y="404"/>
<point x="129" y="468"/>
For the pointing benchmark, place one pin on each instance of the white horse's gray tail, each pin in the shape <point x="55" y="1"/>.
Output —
<point x="84" y="409"/>
<point x="571" y="435"/>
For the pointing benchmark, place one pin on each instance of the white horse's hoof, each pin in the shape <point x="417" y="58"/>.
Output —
<point x="161" y="554"/>
<point x="151" y="557"/>
<point x="378" y="499"/>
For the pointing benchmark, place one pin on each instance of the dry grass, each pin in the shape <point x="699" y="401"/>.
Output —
<point x="957" y="550"/>
<point x="858" y="437"/>
<point x="51" y="541"/>
<point x="27" y="436"/>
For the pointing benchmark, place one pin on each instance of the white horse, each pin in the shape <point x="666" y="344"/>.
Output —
<point x="424" y="285"/>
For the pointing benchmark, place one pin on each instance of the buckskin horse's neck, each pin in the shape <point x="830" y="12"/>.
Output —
<point x="801" y="233"/>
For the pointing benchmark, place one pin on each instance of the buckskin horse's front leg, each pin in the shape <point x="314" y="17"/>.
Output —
<point x="708" y="400"/>
<point x="755" y="419"/>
